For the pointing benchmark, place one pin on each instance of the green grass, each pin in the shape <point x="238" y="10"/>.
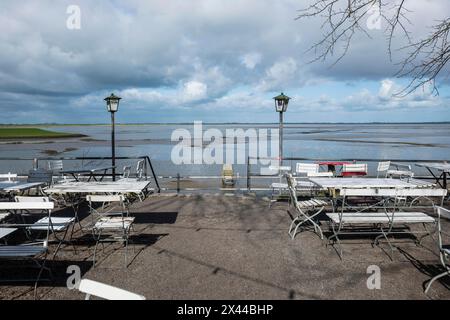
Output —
<point x="33" y="133"/>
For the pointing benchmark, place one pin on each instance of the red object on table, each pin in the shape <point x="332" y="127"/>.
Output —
<point x="331" y="165"/>
<point x="350" y="174"/>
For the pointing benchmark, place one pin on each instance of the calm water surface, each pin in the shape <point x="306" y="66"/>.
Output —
<point x="315" y="141"/>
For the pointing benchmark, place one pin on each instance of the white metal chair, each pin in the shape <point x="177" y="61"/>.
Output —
<point x="400" y="171"/>
<point x="140" y="169"/>
<point x="444" y="250"/>
<point x="306" y="210"/>
<point x="354" y="169"/>
<point x="311" y="170"/>
<point x="126" y="172"/>
<point x="8" y="176"/>
<point x="115" y="223"/>
<point x="40" y="175"/>
<point x="56" y="224"/>
<point x="101" y="290"/>
<point x="383" y="166"/>
<point x="275" y="170"/>
<point x="30" y="251"/>
<point x="56" y="166"/>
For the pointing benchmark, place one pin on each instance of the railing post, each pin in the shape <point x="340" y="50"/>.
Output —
<point x="178" y="183"/>
<point x="248" y="173"/>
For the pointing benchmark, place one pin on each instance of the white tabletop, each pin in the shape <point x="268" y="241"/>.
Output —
<point x="435" y="165"/>
<point x="120" y="187"/>
<point x="19" y="186"/>
<point x="340" y="183"/>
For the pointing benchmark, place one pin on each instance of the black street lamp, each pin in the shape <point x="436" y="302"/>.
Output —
<point x="112" y="105"/>
<point x="281" y="104"/>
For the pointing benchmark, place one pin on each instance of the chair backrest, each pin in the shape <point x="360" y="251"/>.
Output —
<point x="9" y="176"/>
<point x="40" y="175"/>
<point x="442" y="213"/>
<point x="126" y="172"/>
<point x="354" y="168"/>
<point x="383" y="166"/>
<point x="27" y="205"/>
<point x="105" y="291"/>
<point x="105" y="198"/>
<point x="31" y="199"/>
<point x="55" y="165"/>
<point x="308" y="168"/>
<point x="140" y="169"/>
<point x="291" y="188"/>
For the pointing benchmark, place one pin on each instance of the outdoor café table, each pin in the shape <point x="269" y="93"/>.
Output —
<point x="444" y="168"/>
<point x="118" y="187"/>
<point x="331" y="165"/>
<point x="88" y="171"/>
<point x="18" y="187"/>
<point x="333" y="184"/>
<point x="73" y="193"/>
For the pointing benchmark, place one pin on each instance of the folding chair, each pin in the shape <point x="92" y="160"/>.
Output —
<point x="306" y="210"/>
<point x="383" y="166"/>
<point x="311" y="170"/>
<point x="115" y="223"/>
<point x="8" y="176"/>
<point x="56" y="224"/>
<point x="101" y="290"/>
<point x="354" y="169"/>
<point x="398" y="173"/>
<point x="56" y="166"/>
<point x="29" y="251"/>
<point x="444" y="250"/>
<point x="280" y="186"/>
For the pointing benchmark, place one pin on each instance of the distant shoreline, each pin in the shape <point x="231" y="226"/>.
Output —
<point x="27" y="125"/>
<point x="33" y="133"/>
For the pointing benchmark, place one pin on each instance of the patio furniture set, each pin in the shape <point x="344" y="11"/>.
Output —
<point x="381" y="207"/>
<point x="33" y="214"/>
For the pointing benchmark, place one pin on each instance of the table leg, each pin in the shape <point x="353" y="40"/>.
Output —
<point x="104" y="174"/>
<point x="436" y="178"/>
<point x="444" y="180"/>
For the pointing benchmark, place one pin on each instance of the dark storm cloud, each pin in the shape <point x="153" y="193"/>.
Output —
<point x="178" y="55"/>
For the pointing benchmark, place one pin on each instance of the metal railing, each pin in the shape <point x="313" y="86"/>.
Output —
<point x="147" y="164"/>
<point x="248" y="179"/>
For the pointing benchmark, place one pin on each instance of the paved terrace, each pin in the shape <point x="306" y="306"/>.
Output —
<point x="235" y="247"/>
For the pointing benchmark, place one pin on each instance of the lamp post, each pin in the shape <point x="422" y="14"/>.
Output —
<point x="112" y="105"/>
<point x="281" y="104"/>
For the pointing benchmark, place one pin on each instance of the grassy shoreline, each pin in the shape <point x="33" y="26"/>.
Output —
<point x="15" y="133"/>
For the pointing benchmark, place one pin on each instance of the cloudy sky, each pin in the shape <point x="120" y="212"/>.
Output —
<point x="210" y="60"/>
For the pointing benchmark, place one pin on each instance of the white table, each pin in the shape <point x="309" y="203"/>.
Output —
<point x="341" y="183"/>
<point x="17" y="186"/>
<point x="443" y="167"/>
<point x="89" y="171"/>
<point x="119" y="187"/>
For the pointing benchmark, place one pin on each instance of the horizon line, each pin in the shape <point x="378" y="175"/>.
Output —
<point x="231" y="122"/>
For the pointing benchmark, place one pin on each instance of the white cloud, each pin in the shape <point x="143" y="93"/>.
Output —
<point x="194" y="90"/>
<point x="251" y="60"/>
<point x="279" y="75"/>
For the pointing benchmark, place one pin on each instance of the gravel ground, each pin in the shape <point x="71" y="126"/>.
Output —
<point x="235" y="247"/>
